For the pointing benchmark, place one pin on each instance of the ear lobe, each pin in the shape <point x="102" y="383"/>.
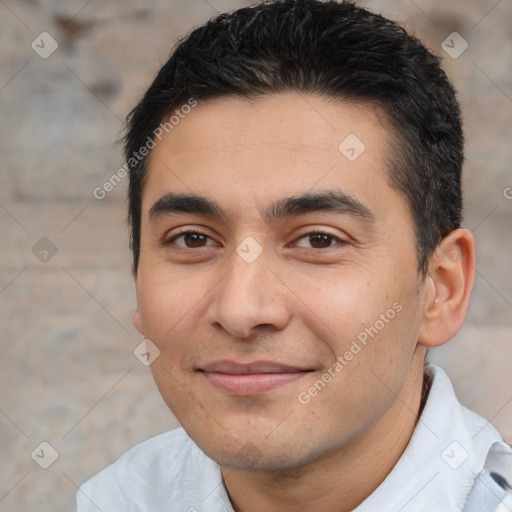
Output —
<point x="448" y="288"/>
<point x="137" y="321"/>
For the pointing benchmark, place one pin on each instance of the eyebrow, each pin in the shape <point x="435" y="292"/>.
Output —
<point x="329" y="201"/>
<point x="185" y="203"/>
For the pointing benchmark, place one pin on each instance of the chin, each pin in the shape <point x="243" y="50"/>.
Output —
<point x="259" y="454"/>
<point x="250" y="458"/>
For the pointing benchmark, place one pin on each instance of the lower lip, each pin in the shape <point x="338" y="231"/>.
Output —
<point x="250" y="384"/>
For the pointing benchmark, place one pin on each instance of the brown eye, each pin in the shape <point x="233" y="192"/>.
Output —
<point x="195" y="240"/>
<point x="191" y="240"/>
<point x="318" y="241"/>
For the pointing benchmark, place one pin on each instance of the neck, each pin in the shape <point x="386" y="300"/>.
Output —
<point x="344" y="478"/>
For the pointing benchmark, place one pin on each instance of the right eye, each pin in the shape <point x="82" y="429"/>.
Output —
<point x="189" y="240"/>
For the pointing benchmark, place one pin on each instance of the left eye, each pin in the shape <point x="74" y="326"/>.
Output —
<point x="191" y="240"/>
<point x="318" y="241"/>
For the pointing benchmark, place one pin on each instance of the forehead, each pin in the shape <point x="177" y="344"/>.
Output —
<point x="248" y="152"/>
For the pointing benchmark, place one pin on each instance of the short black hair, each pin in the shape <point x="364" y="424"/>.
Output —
<point x="332" y="49"/>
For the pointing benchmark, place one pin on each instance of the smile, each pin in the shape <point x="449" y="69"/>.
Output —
<point x="250" y="379"/>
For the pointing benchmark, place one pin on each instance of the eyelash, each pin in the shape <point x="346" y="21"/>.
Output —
<point x="334" y="238"/>
<point x="172" y="240"/>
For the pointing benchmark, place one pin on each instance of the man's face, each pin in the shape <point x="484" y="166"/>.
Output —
<point x="301" y="257"/>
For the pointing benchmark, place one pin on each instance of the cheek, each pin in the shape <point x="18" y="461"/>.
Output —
<point x="374" y="321"/>
<point x="338" y="306"/>
<point x="370" y="368"/>
<point x="167" y="302"/>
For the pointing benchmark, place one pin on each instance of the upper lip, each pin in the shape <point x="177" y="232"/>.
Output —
<point x="230" y="367"/>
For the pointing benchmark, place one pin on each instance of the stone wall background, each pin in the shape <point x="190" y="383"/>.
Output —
<point x="67" y="370"/>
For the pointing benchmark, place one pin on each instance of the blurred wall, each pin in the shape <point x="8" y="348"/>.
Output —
<point x="70" y="72"/>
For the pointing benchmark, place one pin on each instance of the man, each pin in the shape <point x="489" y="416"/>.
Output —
<point x="295" y="205"/>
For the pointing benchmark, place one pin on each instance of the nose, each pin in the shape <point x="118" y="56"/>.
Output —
<point x="250" y="298"/>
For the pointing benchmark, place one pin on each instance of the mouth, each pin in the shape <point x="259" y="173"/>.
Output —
<point x="251" y="378"/>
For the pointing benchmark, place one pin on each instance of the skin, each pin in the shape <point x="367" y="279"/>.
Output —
<point x="302" y="302"/>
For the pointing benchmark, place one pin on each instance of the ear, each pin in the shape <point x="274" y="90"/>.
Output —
<point x="137" y="319"/>
<point x="448" y="288"/>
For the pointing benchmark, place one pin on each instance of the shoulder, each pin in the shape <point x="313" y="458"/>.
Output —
<point x="151" y="473"/>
